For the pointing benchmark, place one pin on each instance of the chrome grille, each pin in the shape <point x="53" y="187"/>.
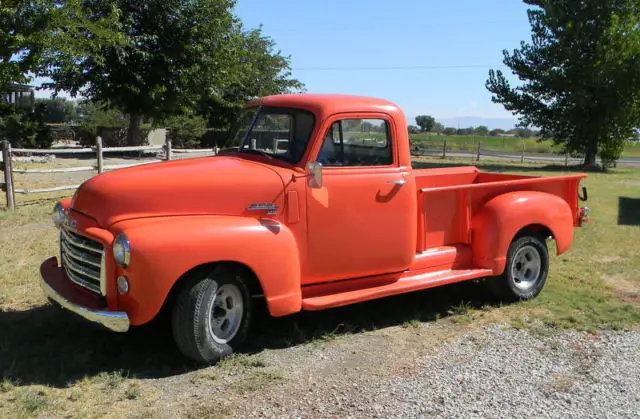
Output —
<point x="82" y="259"/>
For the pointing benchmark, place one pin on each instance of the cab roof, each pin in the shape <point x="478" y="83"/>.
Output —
<point x="326" y="104"/>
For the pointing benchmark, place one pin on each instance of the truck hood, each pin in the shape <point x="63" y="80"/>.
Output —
<point x="201" y="186"/>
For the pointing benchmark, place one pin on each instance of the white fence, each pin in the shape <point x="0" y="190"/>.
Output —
<point x="9" y="155"/>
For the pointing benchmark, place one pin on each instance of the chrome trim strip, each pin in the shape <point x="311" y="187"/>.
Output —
<point x="103" y="276"/>
<point x="85" y="258"/>
<point x="79" y="269"/>
<point x="76" y="241"/>
<point x="81" y="281"/>
<point x="116" y="321"/>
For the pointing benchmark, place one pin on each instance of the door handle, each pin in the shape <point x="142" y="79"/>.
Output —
<point x="397" y="182"/>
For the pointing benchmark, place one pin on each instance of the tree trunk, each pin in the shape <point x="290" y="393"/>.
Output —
<point x="133" y="133"/>
<point x="590" y="154"/>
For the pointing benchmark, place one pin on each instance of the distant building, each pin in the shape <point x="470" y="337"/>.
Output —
<point x="19" y="93"/>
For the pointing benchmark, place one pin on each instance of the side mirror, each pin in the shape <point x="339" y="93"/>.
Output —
<point x="314" y="174"/>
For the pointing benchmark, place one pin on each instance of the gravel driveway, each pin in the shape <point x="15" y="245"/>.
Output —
<point x="429" y="370"/>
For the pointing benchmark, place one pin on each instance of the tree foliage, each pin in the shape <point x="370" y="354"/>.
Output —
<point x="56" y="110"/>
<point x="176" y="57"/>
<point x="23" y="127"/>
<point x="581" y="77"/>
<point x="425" y="122"/>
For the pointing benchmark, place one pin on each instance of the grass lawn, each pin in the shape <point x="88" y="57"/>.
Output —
<point x="531" y="145"/>
<point x="53" y="364"/>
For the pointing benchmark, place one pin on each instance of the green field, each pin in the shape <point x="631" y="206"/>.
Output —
<point x="531" y="145"/>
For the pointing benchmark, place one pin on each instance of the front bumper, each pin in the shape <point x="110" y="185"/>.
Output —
<point x="59" y="289"/>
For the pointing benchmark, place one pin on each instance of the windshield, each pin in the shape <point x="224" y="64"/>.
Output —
<point x="281" y="133"/>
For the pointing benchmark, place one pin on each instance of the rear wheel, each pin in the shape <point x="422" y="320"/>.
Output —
<point x="212" y="314"/>
<point x="526" y="269"/>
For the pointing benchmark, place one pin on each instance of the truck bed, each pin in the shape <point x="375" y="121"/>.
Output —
<point x="448" y="198"/>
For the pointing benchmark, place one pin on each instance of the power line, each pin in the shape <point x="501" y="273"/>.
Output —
<point x="431" y="67"/>
<point x="403" y="26"/>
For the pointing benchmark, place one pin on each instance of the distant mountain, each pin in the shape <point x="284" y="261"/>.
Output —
<point x="474" y="121"/>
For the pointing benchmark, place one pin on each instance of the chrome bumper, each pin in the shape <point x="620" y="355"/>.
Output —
<point x="112" y="320"/>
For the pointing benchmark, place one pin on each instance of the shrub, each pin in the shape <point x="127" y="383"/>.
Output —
<point x="24" y="128"/>
<point x="185" y="131"/>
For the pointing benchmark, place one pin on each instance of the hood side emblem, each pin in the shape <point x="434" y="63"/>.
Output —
<point x="269" y="207"/>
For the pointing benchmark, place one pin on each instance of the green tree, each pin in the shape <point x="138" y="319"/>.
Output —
<point x="425" y="122"/>
<point x="481" y="131"/>
<point x="56" y="110"/>
<point x="252" y="68"/>
<point x="465" y="131"/>
<point x="581" y="77"/>
<point x="30" y="30"/>
<point x="177" y="58"/>
<point x="438" y="128"/>
<point x="450" y="131"/>
<point x="495" y="132"/>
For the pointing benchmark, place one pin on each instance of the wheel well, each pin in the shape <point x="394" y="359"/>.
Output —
<point x="540" y="230"/>
<point x="252" y="281"/>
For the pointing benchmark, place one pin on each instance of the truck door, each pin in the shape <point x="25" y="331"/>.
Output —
<point x="362" y="221"/>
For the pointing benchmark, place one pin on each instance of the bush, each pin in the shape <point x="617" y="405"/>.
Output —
<point x="214" y="137"/>
<point x="185" y="131"/>
<point x="23" y="127"/>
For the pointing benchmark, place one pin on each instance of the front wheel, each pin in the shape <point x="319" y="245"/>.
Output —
<point x="525" y="272"/>
<point x="211" y="316"/>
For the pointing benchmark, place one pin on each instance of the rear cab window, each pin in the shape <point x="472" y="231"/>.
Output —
<point x="355" y="142"/>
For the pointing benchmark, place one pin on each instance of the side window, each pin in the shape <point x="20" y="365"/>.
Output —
<point x="357" y="142"/>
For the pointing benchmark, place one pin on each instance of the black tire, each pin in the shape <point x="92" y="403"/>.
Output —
<point x="514" y="284"/>
<point x="195" y="308"/>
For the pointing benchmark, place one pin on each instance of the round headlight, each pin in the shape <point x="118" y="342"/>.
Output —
<point x="58" y="214"/>
<point x="122" y="250"/>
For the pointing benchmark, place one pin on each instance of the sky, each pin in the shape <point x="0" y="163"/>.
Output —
<point x="427" y="56"/>
<point x="440" y="52"/>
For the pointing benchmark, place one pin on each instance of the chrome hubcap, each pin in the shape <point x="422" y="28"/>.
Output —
<point x="226" y="313"/>
<point x="526" y="267"/>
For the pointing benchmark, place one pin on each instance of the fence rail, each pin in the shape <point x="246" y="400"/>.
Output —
<point x="9" y="154"/>
<point x="418" y="148"/>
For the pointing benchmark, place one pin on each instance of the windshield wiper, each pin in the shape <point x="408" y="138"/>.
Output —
<point x="255" y="151"/>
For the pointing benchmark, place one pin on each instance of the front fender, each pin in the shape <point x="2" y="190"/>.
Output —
<point x="501" y="218"/>
<point x="165" y="248"/>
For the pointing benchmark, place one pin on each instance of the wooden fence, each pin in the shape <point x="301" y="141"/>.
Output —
<point x="476" y="151"/>
<point x="9" y="154"/>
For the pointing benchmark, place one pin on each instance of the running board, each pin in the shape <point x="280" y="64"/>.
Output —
<point x="399" y="286"/>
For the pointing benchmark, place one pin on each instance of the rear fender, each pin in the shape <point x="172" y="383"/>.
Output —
<point x="164" y="249"/>
<point x="501" y="218"/>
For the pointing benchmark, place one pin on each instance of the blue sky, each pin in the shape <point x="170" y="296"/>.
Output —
<point x="348" y="46"/>
<point x="401" y="33"/>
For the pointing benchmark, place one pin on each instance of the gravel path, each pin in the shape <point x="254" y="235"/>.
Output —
<point x="486" y="373"/>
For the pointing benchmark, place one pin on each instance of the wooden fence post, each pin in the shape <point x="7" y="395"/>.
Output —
<point x="275" y="145"/>
<point x="444" y="150"/>
<point x="8" y="175"/>
<point x="167" y="146"/>
<point x="254" y="143"/>
<point x="100" y="156"/>
<point x="522" y="157"/>
<point x="478" y="155"/>
<point x="566" y="160"/>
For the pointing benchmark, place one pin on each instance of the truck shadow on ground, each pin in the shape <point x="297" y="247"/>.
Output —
<point x="628" y="211"/>
<point x="48" y="346"/>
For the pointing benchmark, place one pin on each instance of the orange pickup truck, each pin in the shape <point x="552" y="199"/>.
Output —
<point x="316" y="207"/>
